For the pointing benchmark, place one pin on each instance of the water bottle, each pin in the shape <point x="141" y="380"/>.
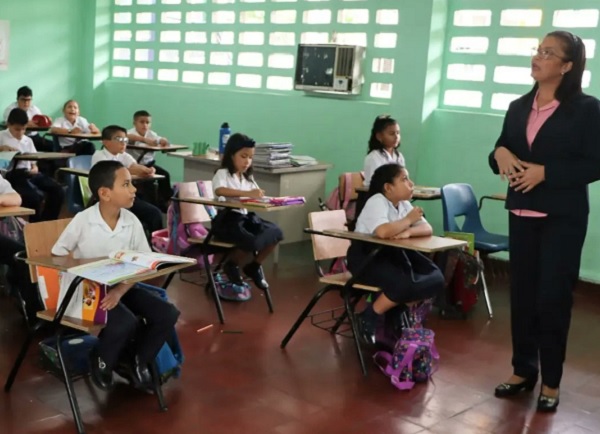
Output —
<point x="224" y="134"/>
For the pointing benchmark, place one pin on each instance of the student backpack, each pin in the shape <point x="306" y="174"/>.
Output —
<point x="344" y="195"/>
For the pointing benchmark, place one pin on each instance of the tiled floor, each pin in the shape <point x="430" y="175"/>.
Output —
<point x="244" y="383"/>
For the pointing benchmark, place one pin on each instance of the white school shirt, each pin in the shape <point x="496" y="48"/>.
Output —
<point x="62" y="122"/>
<point x="32" y="110"/>
<point x="375" y="159"/>
<point x="148" y="156"/>
<point x="88" y="235"/>
<point x="5" y="187"/>
<point x="225" y="179"/>
<point x="103" y="155"/>
<point x="379" y="210"/>
<point x="25" y="145"/>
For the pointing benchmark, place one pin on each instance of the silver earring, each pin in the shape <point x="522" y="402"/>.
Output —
<point x="562" y="73"/>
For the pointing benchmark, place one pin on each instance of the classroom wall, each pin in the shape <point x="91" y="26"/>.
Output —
<point x="46" y="46"/>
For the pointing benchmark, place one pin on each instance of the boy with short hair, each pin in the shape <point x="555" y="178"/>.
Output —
<point x="38" y="191"/>
<point x="24" y="102"/>
<point x="142" y="134"/>
<point x="95" y="232"/>
<point x="114" y="141"/>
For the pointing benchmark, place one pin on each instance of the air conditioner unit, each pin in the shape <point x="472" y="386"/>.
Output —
<point x="329" y="68"/>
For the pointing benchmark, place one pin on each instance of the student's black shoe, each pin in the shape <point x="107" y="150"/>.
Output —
<point x="255" y="272"/>
<point x="547" y="404"/>
<point x="141" y="373"/>
<point x="102" y="375"/>
<point x="505" y="390"/>
<point x="232" y="272"/>
<point x="366" y="329"/>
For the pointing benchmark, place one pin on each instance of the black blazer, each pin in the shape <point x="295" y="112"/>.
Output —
<point x="567" y="144"/>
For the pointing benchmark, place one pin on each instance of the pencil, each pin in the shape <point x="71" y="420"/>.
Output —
<point x="204" y="328"/>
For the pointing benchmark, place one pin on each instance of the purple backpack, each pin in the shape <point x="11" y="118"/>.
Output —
<point x="414" y="359"/>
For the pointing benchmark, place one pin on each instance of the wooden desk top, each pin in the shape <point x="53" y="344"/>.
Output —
<point x="44" y="156"/>
<point x="169" y="148"/>
<point x="420" y="244"/>
<point x="236" y="204"/>
<point x="63" y="263"/>
<point x="215" y="162"/>
<point x="86" y="173"/>
<point x="15" y="211"/>
<point x="88" y="136"/>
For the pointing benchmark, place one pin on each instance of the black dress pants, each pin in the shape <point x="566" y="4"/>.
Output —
<point x="545" y="254"/>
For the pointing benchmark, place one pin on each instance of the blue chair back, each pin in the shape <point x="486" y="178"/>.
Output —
<point x="458" y="200"/>
<point x="74" y="196"/>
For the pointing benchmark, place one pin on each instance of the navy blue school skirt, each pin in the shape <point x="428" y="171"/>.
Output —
<point x="247" y="231"/>
<point x="402" y="275"/>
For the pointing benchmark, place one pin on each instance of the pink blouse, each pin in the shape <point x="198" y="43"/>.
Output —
<point x="536" y="119"/>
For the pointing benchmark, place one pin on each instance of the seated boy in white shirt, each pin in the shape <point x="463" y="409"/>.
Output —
<point x="17" y="273"/>
<point x="141" y="134"/>
<point x="24" y="98"/>
<point x="38" y="191"/>
<point x="114" y="140"/>
<point x="95" y="232"/>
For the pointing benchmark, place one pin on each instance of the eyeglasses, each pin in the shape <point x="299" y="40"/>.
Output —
<point x="544" y="54"/>
<point x="121" y="139"/>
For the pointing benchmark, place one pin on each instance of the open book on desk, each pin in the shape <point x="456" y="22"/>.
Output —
<point x="122" y="265"/>
<point x="268" y="201"/>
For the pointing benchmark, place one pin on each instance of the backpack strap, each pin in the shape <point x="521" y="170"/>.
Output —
<point x="347" y="189"/>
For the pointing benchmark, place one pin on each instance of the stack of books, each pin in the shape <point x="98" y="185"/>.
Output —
<point x="272" y="155"/>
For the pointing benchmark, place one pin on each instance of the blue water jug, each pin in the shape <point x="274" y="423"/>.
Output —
<point x="224" y="134"/>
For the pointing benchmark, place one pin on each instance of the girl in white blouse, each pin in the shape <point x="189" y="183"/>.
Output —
<point x="383" y="146"/>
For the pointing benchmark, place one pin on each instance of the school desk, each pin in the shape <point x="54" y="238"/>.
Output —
<point x="147" y="148"/>
<point x="209" y="244"/>
<point x="59" y="321"/>
<point x="86" y="136"/>
<point x="3" y="126"/>
<point x="43" y="156"/>
<point x="86" y="173"/>
<point x="15" y="211"/>
<point x="350" y="288"/>
<point x="496" y="196"/>
<point x="305" y="181"/>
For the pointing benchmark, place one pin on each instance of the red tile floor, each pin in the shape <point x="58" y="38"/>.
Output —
<point x="244" y="383"/>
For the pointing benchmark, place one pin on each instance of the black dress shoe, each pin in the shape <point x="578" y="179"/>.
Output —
<point x="102" y="375"/>
<point x="141" y="374"/>
<point x="255" y="272"/>
<point x="232" y="272"/>
<point x="366" y="329"/>
<point x="547" y="404"/>
<point x="506" y="389"/>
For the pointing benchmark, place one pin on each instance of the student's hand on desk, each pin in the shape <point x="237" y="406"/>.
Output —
<point x="6" y="148"/>
<point x="34" y="170"/>
<point x="94" y="129"/>
<point x="508" y="163"/>
<point x="112" y="298"/>
<point x="529" y="178"/>
<point x="76" y="130"/>
<point x="402" y="235"/>
<point x="256" y="193"/>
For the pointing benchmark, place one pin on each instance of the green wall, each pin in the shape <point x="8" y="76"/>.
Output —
<point x="46" y="48"/>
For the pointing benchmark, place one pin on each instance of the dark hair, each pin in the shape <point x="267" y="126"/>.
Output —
<point x="17" y="116"/>
<point x="236" y="142"/>
<point x="384" y="175"/>
<point x="109" y="132"/>
<point x="140" y="113"/>
<point x="102" y="174"/>
<point x="24" y="91"/>
<point x="380" y="124"/>
<point x="574" y="49"/>
<point x="67" y="103"/>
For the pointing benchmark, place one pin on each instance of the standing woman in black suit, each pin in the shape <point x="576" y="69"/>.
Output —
<point x="549" y="151"/>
